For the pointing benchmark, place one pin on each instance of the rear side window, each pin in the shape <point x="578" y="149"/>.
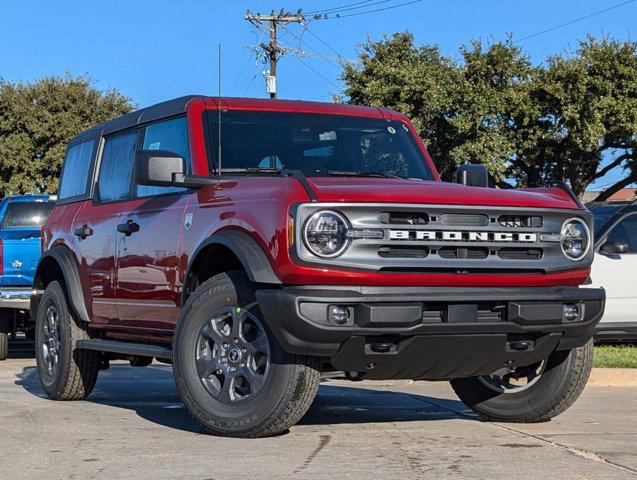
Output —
<point x="116" y="167"/>
<point x="171" y="135"/>
<point x="76" y="172"/>
<point x="26" y="214"/>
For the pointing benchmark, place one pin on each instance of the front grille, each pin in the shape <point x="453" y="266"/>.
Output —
<point x="402" y="251"/>
<point x="464" y="220"/>
<point x="472" y="253"/>
<point x="520" y="253"/>
<point x="458" y="239"/>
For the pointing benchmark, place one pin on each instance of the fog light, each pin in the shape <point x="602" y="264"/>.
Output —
<point x="571" y="312"/>
<point x="338" y="314"/>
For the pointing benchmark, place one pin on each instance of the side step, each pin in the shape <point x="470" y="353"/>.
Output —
<point x="124" y="348"/>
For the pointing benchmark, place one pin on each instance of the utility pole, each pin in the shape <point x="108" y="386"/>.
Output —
<point x="273" y="52"/>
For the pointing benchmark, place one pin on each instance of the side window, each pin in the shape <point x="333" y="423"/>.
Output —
<point x="626" y="231"/>
<point x="171" y="135"/>
<point x="116" y="167"/>
<point x="76" y="171"/>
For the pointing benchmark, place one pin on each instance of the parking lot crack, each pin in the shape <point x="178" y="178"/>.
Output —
<point x="594" y="456"/>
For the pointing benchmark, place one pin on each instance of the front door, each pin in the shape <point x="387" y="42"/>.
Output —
<point x="148" y="290"/>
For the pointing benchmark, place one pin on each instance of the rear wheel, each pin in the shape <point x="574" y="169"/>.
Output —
<point x="66" y="372"/>
<point x="4" y="345"/>
<point x="232" y="374"/>
<point x="534" y="393"/>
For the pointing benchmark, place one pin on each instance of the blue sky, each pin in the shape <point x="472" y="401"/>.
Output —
<point x="153" y="50"/>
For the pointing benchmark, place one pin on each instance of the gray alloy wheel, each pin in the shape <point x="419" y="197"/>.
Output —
<point x="232" y="355"/>
<point x="50" y="340"/>
<point x="508" y="381"/>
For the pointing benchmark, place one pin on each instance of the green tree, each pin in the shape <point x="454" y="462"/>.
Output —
<point x="571" y="118"/>
<point x="38" y="119"/>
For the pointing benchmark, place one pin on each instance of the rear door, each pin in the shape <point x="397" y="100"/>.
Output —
<point x="95" y="226"/>
<point x="148" y="253"/>
<point x="20" y="230"/>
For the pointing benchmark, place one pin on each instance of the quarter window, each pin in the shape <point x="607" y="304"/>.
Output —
<point x="171" y="135"/>
<point x="117" y="166"/>
<point x="75" y="173"/>
<point x="626" y="231"/>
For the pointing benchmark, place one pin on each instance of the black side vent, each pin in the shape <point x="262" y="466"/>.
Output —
<point x="471" y="253"/>
<point x="510" y="253"/>
<point x="520" y="221"/>
<point x="403" y="251"/>
<point x="404" y="218"/>
<point x="464" y="220"/>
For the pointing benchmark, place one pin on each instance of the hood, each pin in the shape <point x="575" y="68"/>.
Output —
<point x="365" y="189"/>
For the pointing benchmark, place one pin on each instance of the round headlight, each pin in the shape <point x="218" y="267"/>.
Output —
<point x="325" y="234"/>
<point x="575" y="238"/>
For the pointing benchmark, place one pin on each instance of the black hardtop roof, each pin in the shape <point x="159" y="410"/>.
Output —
<point x="175" y="106"/>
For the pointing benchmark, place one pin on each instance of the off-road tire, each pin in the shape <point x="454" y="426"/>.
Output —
<point x="289" y="388"/>
<point x="77" y="369"/>
<point x="4" y="345"/>
<point x="561" y="383"/>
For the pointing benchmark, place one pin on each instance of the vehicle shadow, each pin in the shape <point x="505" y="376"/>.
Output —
<point x="152" y="394"/>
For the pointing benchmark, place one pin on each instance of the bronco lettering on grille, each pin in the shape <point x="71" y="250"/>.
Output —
<point x="462" y="236"/>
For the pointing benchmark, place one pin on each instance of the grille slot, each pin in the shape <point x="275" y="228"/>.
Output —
<point x="403" y="251"/>
<point x="403" y="218"/>
<point x="464" y="220"/>
<point x="512" y="253"/>
<point x="520" y="221"/>
<point x="470" y="253"/>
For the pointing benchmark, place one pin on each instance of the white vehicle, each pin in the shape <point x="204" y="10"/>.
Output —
<point x="615" y="267"/>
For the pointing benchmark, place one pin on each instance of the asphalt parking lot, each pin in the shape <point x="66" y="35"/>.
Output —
<point x="134" y="426"/>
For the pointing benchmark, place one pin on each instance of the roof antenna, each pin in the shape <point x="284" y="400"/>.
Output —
<point x="219" y="116"/>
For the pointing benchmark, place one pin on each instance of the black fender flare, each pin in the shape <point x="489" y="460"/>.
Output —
<point x="64" y="258"/>
<point x="250" y="254"/>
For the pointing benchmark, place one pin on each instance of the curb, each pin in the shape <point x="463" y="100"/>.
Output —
<point x="613" y="377"/>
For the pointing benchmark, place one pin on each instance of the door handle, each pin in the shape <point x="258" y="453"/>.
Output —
<point x="83" y="231"/>
<point x="128" y="228"/>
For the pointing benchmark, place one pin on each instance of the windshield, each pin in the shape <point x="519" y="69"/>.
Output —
<point x="26" y="214"/>
<point x="318" y="145"/>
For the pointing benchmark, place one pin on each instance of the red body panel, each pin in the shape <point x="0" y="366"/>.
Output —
<point x="133" y="284"/>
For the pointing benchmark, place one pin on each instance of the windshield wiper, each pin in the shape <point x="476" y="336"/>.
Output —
<point x="252" y="170"/>
<point x="345" y="173"/>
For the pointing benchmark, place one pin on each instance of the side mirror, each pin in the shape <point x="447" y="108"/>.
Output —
<point x="159" y="168"/>
<point x="618" y="247"/>
<point x="472" y="175"/>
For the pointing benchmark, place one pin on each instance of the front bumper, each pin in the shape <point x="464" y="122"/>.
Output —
<point x="16" y="297"/>
<point x="430" y="333"/>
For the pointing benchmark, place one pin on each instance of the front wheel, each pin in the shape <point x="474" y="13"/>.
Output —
<point x="232" y="374"/>
<point x="533" y="393"/>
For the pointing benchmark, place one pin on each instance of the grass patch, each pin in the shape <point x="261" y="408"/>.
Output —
<point x="615" y="356"/>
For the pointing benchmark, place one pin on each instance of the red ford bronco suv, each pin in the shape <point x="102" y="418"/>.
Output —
<point x="254" y="244"/>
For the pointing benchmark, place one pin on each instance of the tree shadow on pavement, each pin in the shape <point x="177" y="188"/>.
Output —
<point x="152" y="394"/>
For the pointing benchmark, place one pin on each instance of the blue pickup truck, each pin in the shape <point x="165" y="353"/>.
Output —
<point x="21" y="220"/>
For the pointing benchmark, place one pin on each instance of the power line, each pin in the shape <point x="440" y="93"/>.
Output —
<point x="311" y="48"/>
<point x="326" y="17"/>
<point x="245" y="65"/>
<point x="574" y="21"/>
<point x="249" y="83"/>
<point x="320" y="40"/>
<point x="337" y="8"/>
<point x="317" y="72"/>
